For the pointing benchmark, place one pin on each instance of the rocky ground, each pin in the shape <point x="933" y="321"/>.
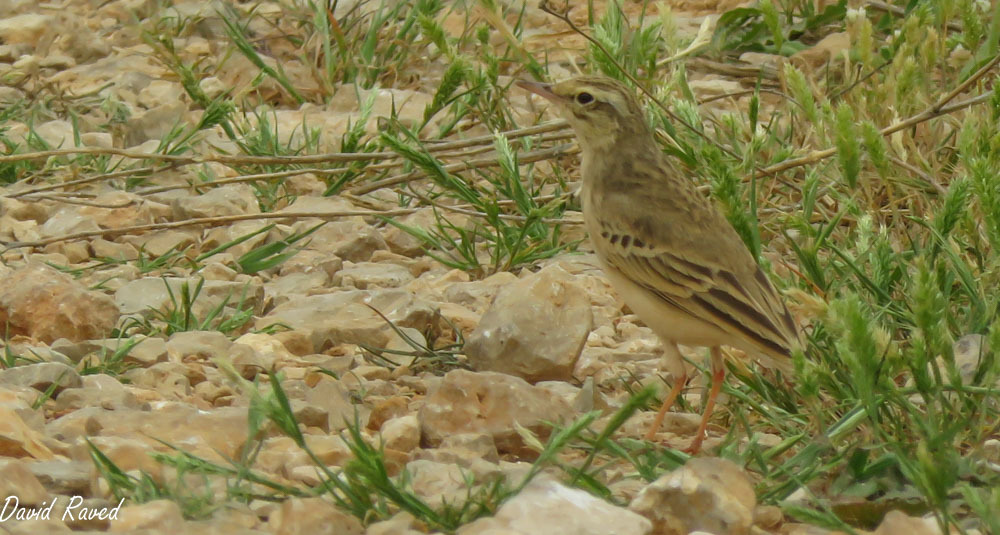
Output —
<point x="141" y="349"/>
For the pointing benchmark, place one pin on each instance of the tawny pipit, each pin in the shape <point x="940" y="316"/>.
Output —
<point x="667" y="249"/>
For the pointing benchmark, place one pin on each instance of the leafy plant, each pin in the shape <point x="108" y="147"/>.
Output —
<point x="766" y="28"/>
<point x="179" y="315"/>
<point x="504" y="240"/>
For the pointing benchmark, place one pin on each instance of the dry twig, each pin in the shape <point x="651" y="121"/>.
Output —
<point x="200" y="221"/>
<point x="923" y="116"/>
<point x="528" y="157"/>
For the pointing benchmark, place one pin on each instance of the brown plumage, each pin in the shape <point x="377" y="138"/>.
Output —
<point x="667" y="249"/>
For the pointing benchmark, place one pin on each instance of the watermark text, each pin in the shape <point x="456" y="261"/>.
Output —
<point x="13" y="510"/>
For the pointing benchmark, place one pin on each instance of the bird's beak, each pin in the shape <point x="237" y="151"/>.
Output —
<point x="543" y="90"/>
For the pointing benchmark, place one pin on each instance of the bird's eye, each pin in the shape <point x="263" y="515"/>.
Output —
<point x="584" y="98"/>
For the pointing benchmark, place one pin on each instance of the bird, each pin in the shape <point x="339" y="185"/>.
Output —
<point x="667" y="249"/>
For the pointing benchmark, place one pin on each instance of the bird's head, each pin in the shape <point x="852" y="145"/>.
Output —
<point x="601" y="110"/>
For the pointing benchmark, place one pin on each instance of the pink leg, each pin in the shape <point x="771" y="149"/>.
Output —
<point x="667" y="403"/>
<point x="718" y="376"/>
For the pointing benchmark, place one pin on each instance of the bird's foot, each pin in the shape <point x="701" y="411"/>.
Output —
<point x="695" y="447"/>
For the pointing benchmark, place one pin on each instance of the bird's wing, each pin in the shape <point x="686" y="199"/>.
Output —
<point x="703" y="269"/>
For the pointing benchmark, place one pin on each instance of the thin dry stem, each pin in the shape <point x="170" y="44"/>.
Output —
<point x="272" y="160"/>
<point x="939" y="108"/>
<point x="257" y="177"/>
<point x="209" y="158"/>
<point x="75" y="200"/>
<point x="921" y="117"/>
<point x="476" y="213"/>
<point x="201" y="221"/>
<point x="528" y="157"/>
<point x="439" y="148"/>
<point x="937" y="187"/>
<point x="87" y="180"/>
